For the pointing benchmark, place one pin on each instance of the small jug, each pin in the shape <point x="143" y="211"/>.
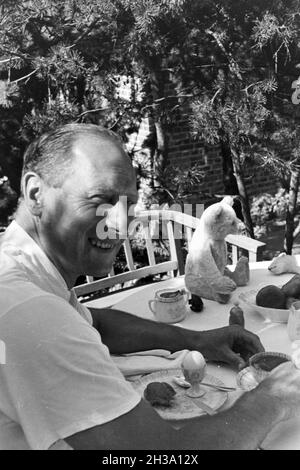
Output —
<point x="293" y="326"/>
<point x="169" y="305"/>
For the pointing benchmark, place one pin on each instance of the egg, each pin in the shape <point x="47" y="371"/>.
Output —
<point x="193" y="360"/>
<point x="193" y="367"/>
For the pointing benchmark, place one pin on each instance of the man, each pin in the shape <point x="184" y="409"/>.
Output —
<point x="59" y="383"/>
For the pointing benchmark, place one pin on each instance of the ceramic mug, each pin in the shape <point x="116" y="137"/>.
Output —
<point x="169" y="305"/>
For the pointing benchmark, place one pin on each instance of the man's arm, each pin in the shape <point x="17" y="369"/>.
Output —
<point x="125" y="333"/>
<point x="243" y="427"/>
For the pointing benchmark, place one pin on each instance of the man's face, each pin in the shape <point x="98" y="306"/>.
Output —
<point x="96" y="196"/>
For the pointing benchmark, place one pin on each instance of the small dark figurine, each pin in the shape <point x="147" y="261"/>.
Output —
<point x="236" y="316"/>
<point x="196" y="303"/>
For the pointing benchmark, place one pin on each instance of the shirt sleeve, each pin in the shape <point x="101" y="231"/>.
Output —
<point x="59" y="377"/>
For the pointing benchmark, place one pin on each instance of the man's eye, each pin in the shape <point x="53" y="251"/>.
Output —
<point x="97" y="202"/>
<point x="101" y="200"/>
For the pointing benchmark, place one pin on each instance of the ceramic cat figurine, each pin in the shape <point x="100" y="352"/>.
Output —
<point x="284" y="263"/>
<point x="206" y="274"/>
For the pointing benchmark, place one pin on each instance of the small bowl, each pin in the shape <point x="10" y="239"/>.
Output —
<point x="275" y="315"/>
<point x="261" y="364"/>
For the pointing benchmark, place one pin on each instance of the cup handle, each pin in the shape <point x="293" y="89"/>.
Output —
<point x="186" y="295"/>
<point x="150" y="302"/>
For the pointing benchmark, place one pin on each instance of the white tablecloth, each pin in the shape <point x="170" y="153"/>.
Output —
<point x="273" y="335"/>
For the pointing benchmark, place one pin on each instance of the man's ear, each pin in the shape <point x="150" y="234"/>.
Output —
<point x="32" y="186"/>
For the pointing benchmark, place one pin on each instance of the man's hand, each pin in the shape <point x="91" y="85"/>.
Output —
<point x="232" y="345"/>
<point x="283" y="384"/>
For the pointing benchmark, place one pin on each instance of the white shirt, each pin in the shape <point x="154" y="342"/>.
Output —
<point x="58" y="378"/>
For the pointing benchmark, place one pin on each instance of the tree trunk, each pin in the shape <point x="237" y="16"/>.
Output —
<point x="229" y="180"/>
<point x="291" y="211"/>
<point x="161" y="148"/>
<point x="239" y="175"/>
<point x="160" y="152"/>
<point x="296" y="231"/>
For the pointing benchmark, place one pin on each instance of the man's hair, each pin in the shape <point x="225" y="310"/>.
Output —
<point x="51" y="154"/>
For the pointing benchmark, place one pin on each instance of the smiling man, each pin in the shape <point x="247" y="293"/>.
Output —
<point x="81" y="176"/>
<point x="59" y="383"/>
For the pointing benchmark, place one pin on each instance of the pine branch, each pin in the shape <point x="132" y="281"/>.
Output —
<point x="96" y="110"/>
<point x="233" y="64"/>
<point x="26" y="76"/>
<point x="88" y="30"/>
<point x="25" y="57"/>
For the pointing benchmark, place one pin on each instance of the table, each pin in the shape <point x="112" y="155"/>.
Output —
<point x="274" y="336"/>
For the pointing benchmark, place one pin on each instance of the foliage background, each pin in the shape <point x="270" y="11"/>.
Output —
<point x="231" y="64"/>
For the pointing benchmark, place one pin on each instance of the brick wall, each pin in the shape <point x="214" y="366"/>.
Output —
<point x="260" y="180"/>
<point x="184" y="151"/>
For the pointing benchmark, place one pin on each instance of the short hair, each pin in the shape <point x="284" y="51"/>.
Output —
<point x="51" y="154"/>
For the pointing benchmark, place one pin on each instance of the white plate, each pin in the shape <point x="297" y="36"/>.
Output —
<point x="182" y="406"/>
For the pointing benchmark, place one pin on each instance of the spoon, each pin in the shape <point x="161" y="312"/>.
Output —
<point x="179" y="380"/>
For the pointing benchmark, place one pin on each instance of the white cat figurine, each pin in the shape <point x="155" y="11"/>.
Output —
<point x="284" y="263"/>
<point x="206" y="274"/>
